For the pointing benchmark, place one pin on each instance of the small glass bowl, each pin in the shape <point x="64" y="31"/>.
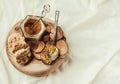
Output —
<point x="32" y="27"/>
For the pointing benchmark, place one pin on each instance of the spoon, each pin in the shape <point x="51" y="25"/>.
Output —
<point x="55" y="27"/>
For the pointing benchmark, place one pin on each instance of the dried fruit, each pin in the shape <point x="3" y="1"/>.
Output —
<point x="37" y="55"/>
<point x="62" y="46"/>
<point x="40" y="47"/>
<point x="46" y="38"/>
<point x="59" y="33"/>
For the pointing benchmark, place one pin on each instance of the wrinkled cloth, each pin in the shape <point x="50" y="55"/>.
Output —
<point x="92" y="28"/>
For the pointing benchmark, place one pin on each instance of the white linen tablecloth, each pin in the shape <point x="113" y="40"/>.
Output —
<point x="92" y="28"/>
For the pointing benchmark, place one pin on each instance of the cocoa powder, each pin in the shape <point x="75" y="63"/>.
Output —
<point x="32" y="27"/>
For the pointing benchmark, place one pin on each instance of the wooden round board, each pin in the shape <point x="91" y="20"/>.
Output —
<point x="35" y="67"/>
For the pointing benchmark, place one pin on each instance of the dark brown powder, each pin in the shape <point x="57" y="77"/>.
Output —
<point x="32" y="28"/>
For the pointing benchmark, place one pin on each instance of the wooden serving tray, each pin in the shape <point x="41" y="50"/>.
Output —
<point x="35" y="67"/>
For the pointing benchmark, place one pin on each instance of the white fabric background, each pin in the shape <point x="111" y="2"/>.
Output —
<point x="92" y="28"/>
